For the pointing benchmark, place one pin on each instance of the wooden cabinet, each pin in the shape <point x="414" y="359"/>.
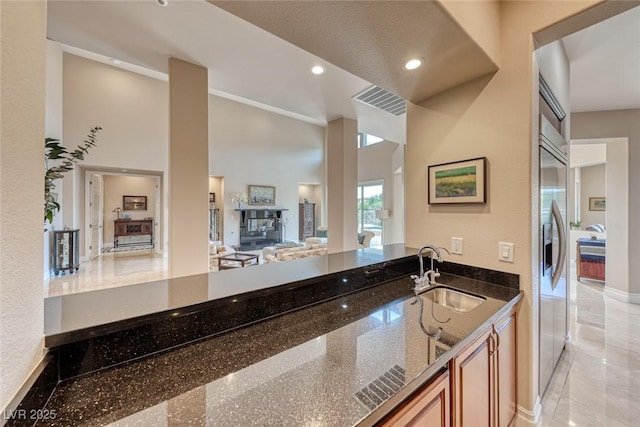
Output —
<point x="484" y="378"/>
<point x="505" y="361"/>
<point x="133" y="227"/>
<point x="429" y="407"/>
<point x="307" y="221"/>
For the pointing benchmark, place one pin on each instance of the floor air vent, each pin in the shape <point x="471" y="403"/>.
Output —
<point x="383" y="99"/>
<point x="382" y="388"/>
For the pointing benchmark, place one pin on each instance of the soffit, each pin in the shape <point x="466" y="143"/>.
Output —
<point x="374" y="39"/>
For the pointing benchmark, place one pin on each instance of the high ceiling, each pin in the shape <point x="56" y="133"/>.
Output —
<point x="369" y="39"/>
<point x="605" y="64"/>
<point x="245" y="61"/>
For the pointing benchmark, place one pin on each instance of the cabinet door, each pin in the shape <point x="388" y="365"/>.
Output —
<point x="473" y="387"/>
<point x="429" y="408"/>
<point x="505" y="362"/>
<point x="120" y="230"/>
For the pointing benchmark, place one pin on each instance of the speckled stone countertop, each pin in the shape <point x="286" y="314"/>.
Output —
<point x="87" y="309"/>
<point x="313" y="366"/>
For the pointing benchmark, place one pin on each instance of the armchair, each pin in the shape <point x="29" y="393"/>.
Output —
<point x="364" y="239"/>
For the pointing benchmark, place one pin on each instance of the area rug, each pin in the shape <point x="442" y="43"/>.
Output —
<point x="132" y="248"/>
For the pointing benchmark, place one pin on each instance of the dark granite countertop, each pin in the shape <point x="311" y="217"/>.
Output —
<point x="307" y="367"/>
<point x="84" y="310"/>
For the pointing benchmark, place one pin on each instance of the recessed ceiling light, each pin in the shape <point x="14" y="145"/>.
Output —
<point x="162" y="2"/>
<point x="414" y="63"/>
<point x="317" y="69"/>
<point x="116" y="61"/>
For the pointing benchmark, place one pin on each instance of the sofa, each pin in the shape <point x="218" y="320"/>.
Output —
<point x="364" y="239"/>
<point x="272" y="254"/>
<point x="215" y="251"/>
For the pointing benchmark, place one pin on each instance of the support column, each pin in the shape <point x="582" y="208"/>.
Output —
<point x="23" y="33"/>
<point x="342" y="183"/>
<point x="188" y="168"/>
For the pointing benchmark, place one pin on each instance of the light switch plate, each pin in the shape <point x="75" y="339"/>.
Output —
<point x="505" y="252"/>
<point x="456" y="245"/>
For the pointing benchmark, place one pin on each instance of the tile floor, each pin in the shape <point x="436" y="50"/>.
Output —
<point x="597" y="382"/>
<point x="111" y="270"/>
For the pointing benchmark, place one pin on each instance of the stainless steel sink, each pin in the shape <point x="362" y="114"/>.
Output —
<point x="455" y="300"/>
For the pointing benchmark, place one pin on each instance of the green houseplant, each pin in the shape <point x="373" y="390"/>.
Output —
<point x="65" y="160"/>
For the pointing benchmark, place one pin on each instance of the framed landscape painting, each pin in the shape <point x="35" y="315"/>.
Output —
<point x="458" y="182"/>
<point x="262" y="195"/>
<point x="134" y="203"/>
<point x="597" y="203"/>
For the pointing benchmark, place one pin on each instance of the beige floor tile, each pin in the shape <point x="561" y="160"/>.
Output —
<point x="601" y="385"/>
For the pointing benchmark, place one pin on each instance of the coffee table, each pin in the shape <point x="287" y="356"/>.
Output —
<point x="237" y="260"/>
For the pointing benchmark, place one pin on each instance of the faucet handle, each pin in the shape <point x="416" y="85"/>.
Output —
<point x="437" y="273"/>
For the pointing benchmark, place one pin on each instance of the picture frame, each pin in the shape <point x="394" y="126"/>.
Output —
<point x="462" y="181"/>
<point x="597" y="203"/>
<point x="134" y="203"/>
<point x="264" y="195"/>
<point x="212" y="197"/>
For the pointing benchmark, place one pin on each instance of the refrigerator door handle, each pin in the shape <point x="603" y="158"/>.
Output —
<point x="555" y="210"/>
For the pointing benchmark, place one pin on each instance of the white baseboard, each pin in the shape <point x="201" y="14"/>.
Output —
<point x="529" y="418"/>
<point x="623" y="296"/>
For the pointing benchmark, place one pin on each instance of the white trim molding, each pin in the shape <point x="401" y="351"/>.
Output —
<point x="527" y="417"/>
<point x="633" y="298"/>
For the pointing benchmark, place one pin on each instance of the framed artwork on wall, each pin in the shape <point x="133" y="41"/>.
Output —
<point x="262" y="195"/>
<point x="458" y="182"/>
<point x="134" y="203"/>
<point x="597" y="203"/>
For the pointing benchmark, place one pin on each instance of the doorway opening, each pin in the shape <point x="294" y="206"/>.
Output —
<point x="370" y="200"/>
<point x="106" y="202"/>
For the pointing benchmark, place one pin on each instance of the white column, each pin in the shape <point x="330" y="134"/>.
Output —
<point x="342" y="183"/>
<point x="188" y="169"/>
<point x="22" y="105"/>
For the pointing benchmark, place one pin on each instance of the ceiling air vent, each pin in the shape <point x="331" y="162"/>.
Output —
<point x="383" y="99"/>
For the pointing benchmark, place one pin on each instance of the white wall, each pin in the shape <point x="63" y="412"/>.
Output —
<point x="252" y="146"/>
<point x="22" y="133"/>
<point x="132" y="110"/>
<point x="587" y="154"/>
<point x="246" y="143"/>
<point x="593" y="184"/>
<point x="375" y="162"/>
<point x="116" y="186"/>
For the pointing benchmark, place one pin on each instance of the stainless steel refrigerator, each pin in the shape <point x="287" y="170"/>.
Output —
<point x="553" y="265"/>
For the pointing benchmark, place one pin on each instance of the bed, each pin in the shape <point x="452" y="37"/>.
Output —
<point x="591" y="258"/>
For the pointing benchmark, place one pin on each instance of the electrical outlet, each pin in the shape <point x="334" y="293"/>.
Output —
<point x="505" y="252"/>
<point x="456" y="245"/>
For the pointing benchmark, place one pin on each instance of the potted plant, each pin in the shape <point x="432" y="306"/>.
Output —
<point x="576" y="225"/>
<point x="53" y="150"/>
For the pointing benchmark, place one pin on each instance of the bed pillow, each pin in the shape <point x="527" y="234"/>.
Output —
<point x="596" y="227"/>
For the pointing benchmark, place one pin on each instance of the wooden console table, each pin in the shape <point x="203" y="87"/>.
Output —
<point x="132" y="227"/>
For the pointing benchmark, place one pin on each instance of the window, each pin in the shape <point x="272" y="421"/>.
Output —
<point x="370" y="198"/>
<point x="365" y="139"/>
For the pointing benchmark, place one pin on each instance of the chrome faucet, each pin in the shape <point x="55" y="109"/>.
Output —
<point x="425" y="280"/>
